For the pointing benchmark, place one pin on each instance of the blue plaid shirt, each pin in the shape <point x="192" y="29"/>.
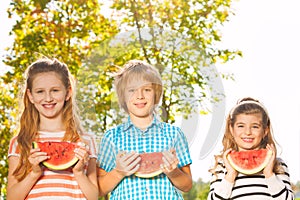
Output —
<point x="159" y="136"/>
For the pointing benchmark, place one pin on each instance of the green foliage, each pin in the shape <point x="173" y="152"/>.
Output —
<point x="199" y="191"/>
<point x="177" y="36"/>
<point x="67" y="30"/>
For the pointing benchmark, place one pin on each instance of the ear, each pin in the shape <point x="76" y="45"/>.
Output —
<point x="267" y="130"/>
<point x="30" y="97"/>
<point x="69" y="94"/>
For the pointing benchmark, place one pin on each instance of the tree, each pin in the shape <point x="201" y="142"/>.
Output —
<point x="67" y="30"/>
<point x="178" y="37"/>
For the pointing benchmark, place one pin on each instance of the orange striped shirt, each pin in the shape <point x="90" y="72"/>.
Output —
<point x="57" y="185"/>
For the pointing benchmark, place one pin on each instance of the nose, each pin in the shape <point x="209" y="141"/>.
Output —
<point x="48" y="97"/>
<point x="248" y="131"/>
<point x="139" y="94"/>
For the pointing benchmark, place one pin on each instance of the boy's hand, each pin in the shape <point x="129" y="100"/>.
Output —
<point x="170" y="161"/>
<point x="127" y="163"/>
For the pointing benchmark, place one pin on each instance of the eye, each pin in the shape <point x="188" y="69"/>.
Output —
<point x="240" y="125"/>
<point x="55" y="90"/>
<point x="148" y="89"/>
<point x="39" y="91"/>
<point x="131" y="90"/>
<point x="256" y="126"/>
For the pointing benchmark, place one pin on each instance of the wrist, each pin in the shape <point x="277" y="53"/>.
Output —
<point x="268" y="175"/>
<point x="230" y="177"/>
<point x="35" y="175"/>
<point x="118" y="174"/>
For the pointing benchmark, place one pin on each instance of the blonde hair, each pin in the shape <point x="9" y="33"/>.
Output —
<point x="247" y="106"/>
<point x="29" y="121"/>
<point x="137" y="69"/>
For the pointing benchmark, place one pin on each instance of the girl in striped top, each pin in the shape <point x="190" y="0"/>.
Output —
<point x="50" y="114"/>
<point x="248" y="127"/>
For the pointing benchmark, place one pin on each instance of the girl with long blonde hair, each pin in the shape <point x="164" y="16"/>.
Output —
<point x="50" y="114"/>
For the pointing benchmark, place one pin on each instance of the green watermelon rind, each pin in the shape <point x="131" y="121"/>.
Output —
<point x="253" y="170"/>
<point x="57" y="167"/>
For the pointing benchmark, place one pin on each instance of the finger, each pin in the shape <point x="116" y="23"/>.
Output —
<point x="37" y="154"/>
<point x="134" y="165"/>
<point x="169" y="156"/>
<point x="129" y="157"/>
<point x="37" y="160"/>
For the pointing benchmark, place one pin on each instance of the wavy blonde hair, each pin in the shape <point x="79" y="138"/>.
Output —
<point x="30" y="120"/>
<point x="247" y="106"/>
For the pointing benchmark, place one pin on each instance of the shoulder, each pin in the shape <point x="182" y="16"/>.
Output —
<point x="170" y="127"/>
<point x="115" y="130"/>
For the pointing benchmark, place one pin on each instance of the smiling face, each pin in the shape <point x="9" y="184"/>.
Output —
<point x="48" y="94"/>
<point x="248" y="131"/>
<point x="139" y="97"/>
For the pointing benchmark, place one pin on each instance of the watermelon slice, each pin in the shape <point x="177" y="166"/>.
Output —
<point x="150" y="165"/>
<point x="61" y="154"/>
<point x="251" y="161"/>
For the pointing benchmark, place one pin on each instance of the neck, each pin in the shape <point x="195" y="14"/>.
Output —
<point x="142" y="122"/>
<point x="51" y="124"/>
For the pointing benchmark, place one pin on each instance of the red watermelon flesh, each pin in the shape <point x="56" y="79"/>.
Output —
<point x="251" y="161"/>
<point x="61" y="154"/>
<point x="150" y="165"/>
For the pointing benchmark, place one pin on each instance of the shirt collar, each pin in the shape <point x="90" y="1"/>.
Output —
<point x="155" y="122"/>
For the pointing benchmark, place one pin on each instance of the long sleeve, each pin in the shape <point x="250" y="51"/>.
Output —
<point x="279" y="185"/>
<point x="249" y="187"/>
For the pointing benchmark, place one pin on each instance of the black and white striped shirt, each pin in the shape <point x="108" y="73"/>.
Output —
<point x="251" y="187"/>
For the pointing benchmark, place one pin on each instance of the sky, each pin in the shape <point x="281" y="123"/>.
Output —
<point x="267" y="32"/>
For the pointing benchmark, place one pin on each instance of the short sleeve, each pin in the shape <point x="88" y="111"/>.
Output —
<point x="182" y="149"/>
<point x="13" y="149"/>
<point x="107" y="153"/>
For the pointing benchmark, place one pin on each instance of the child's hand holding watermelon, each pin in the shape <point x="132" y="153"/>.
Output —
<point x="83" y="154"/>
<point x="170" y="161"/>
<point x="127" y="163"/>
<point x="268" y="170"/>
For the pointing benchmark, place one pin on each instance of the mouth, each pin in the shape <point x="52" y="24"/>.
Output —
<point x="49" y="106"/>
<point x="140" y="105"/>
<point x="248" y="140"/>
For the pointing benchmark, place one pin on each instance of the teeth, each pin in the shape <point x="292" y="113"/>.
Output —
<point x="48" y="106"/>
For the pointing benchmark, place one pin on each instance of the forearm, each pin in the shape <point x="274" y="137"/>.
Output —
<point x="88" y="185"/>
<point x="108" y="181"/>
<point x="278" y="188"/>
<point x="88" y="182"/>
<point x="182" y="180"/>
<point x="19" y="190"/>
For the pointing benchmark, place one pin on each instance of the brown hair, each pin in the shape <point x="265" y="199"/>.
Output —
<point x="248" y="106"/>
<point x="137" y="69"/>
<point x="29" y="121"/>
